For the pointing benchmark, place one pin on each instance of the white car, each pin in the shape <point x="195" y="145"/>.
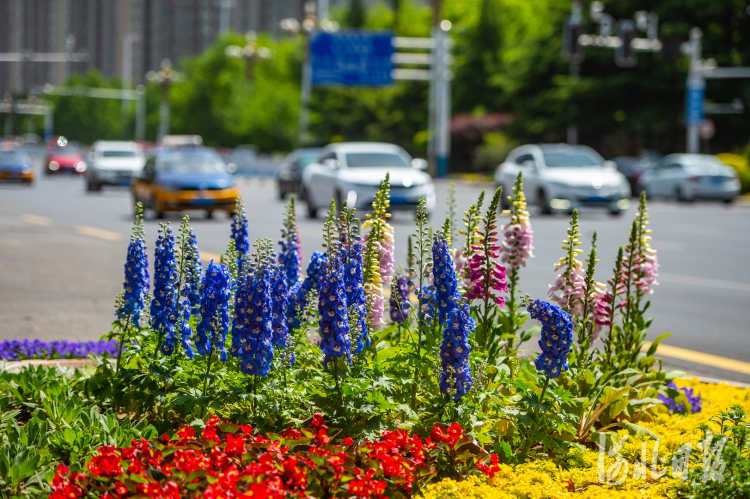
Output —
<point x="687" y="177"/>
<point x="564" y="177"/>
<point x="113" y="163"/>
<point x="352" y="172"/>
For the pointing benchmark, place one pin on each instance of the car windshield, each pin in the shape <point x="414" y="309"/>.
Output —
<point x="190" y="162"/>
<point x="307" y="158"/>
<point x="383" y="159"/>
<point x="118" y="154"/>
<point x="563" y="158"/>
<point x="14" y="157"/>
<point x="66" y="152"/>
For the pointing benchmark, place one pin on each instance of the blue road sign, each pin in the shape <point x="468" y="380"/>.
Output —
<point x="694" y="105"/>
<point x="351" y="58"/>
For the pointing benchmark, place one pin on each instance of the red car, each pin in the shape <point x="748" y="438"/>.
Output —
<point x="67" y="159"/>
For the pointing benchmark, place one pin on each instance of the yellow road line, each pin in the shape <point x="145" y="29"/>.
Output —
<point x="99" y="233"/>
<point x="705" y="282"/>
<point x="207" y="257"/>
<point x="701" y="358"/>
<point x="36" y="219"/>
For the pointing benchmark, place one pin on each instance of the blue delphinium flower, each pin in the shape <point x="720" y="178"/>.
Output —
<point x="298" y="293"/>
<point x="399" y="300"/>
<point x="355" y="291"/>
<point x="136" y="282"/>
<point x="193" y="269"/>
<point x="427" y="304"/>
<point x="214" y="324"/>
<point x="280" y="302"/>
<point x="446" y="284"/>
<point x="252" y="333"/>
<point x="455" y="378"/>
<point x="332" y="311"/>
<point x="239" y="232"/>
<point x="290" y="257"/>
<point x="164" y="313"/>
<point x="557" y="337"/>
<point x="696" y="404"/>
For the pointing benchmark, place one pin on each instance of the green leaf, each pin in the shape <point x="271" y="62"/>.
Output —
<point x="655" y="344"/>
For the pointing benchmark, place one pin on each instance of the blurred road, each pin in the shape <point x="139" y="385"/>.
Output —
<point x="62" y="253"/>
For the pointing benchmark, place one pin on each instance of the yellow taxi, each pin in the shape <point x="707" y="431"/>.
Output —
<point x="185" y="178"/>
<point x="16" y="166"/>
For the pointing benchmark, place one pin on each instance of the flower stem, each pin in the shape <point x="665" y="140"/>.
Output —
<point x="541" y="396"/>
<point x="123" y="332"/>
<point x="208" y="369"/>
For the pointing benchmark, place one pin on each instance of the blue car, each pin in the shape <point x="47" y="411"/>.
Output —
<point x="15" y="166"/>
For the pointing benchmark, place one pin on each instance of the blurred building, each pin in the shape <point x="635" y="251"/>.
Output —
<point x="148" y="30"/>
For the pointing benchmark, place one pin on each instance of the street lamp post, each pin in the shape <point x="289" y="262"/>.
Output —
<point x="127" y="66"/>
<point x="164" y="77"/>
<point x="250" y="52"/>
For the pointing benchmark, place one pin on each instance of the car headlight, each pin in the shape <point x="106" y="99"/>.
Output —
<point x="81" y="166"/>
<point x="54" y="165"/>
<point x="26" y="169"/>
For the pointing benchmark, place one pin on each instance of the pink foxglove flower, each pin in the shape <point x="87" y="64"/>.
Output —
<point x="517" y="245"/>
<point x="647" y="269"/>
<point x="487" y="277"/>
<point x="387" y="258"/>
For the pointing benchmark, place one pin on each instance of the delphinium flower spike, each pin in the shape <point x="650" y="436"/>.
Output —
<point x="399" y="300"/>
<point x="332" y="306"/>
<point x="239" y="231"/>
<point x="194" y="269"/>
<point x="213" y="327"/>
<point x="188" y="279"/>
<point x="164" y="311"/>
<point x="290" y="257"/>
<point x="487" y="276"/>
<point x="455" y="378"/>
<point x="136" y="285"/>
<point x="252" y="331"/>
<point x="356" y="300"/>
<point x="446" y="285"/>
<point x="557" y="336"/>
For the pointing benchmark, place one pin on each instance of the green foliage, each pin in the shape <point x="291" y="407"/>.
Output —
<point x="720" y="467"/>
<point x="87" y="119"/>
<point x="46" y="419"/>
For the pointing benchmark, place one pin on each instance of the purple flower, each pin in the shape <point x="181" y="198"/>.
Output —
<point x="557" y="336"/>
<point x="38" y="349"/>
<point x="399" y="300"/>
<point x="455" y="379"/>
<point x="333" y="320"/>
<point x="214" y="325"/>
<point x="252" y="331"/>
<point x="695" y="401"/>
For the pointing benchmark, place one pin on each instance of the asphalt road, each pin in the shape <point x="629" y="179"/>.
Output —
<point x="62" y="253"/>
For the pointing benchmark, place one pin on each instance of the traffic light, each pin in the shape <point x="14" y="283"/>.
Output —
<point x="572" y="29"/>
<point x="625" y="55"/>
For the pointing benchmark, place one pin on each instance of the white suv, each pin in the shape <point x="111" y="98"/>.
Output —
<point x="113" y="163"/>
<point x="563" y="177"/>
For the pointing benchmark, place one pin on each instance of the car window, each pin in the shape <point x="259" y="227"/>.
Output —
<point x="189" y="162"/>
<point x="524" y="157"/>
<point x="569" y="158"/>
<point x="330" y="155"/>
<point x="305" y="159"/>
<point x="382" y="159"/>
<point x="13" y="157"/>
<point x="117" y="154"/>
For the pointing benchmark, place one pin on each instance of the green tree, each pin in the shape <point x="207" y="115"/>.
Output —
<point x="479" y="61"/>
<point x="355" y="16"/>
<point x="87" y="119"/>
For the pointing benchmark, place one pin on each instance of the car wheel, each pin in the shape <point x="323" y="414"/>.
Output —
<point x="282" y="194"/>
<point x="209" y="214"/>
<point x="504" y="201"/>
<point x="544" y="203"/>
<point x="615" y="213"/>
<point x="681" y="197"/>
<point x="728" y="200"/>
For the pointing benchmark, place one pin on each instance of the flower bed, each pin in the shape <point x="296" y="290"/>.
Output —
<point x="244" y="351"/>
<point x="547" y="479"/>
<point x="37" y="349"/>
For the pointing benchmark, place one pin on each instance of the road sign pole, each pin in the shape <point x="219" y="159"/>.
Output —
<point x="694" y="93"/>
<point x="48" y="123"/>
<point x="443" y="94"/>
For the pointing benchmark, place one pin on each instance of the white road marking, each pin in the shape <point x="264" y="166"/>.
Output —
<point x="99" y="233"/>
<point x="36" y="219"/>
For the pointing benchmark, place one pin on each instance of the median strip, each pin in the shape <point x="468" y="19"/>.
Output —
<point x="98" y="233"/>
<point x="705" y="359"/>
<point x="36" y="219"/>
<point x="207" y="256"/>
